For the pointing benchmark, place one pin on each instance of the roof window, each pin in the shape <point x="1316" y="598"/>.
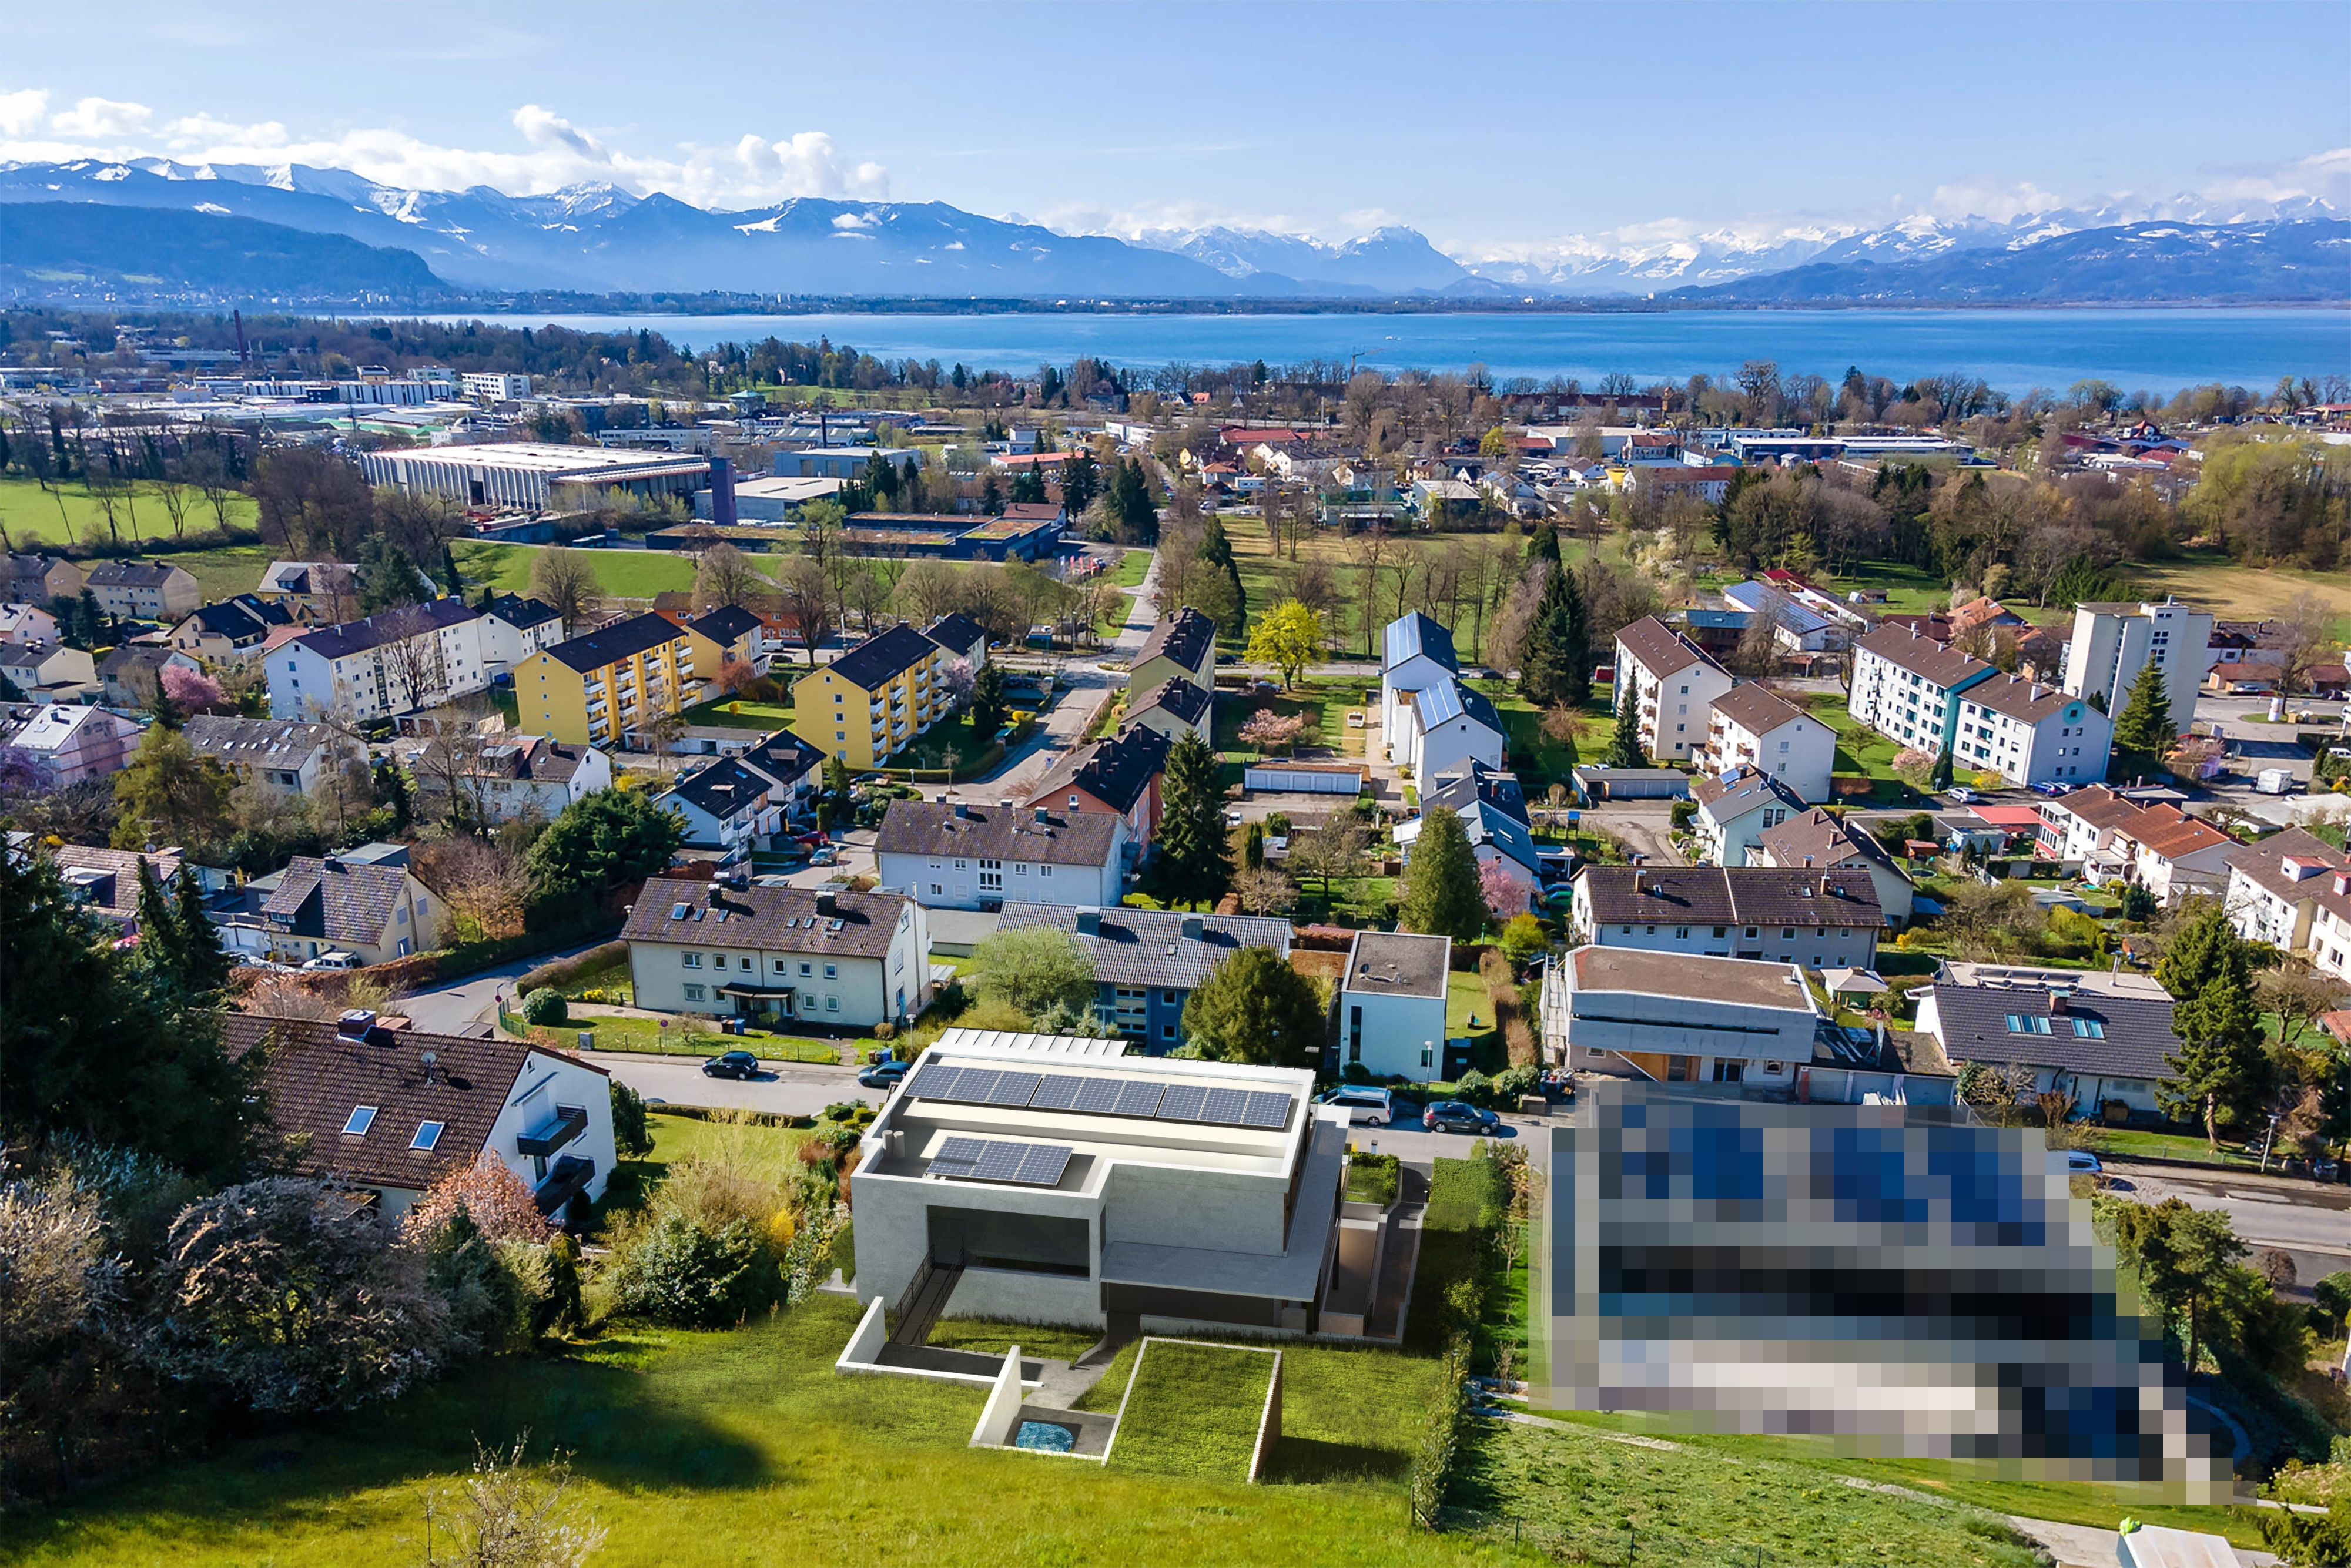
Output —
<point x="427" y="1134"/>
<point x="362" y="1117"/>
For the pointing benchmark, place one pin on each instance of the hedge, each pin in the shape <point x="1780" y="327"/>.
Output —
<point x="557" y="973"/>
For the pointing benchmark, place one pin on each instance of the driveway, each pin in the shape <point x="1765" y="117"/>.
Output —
<point x="466" y="1007"/>
<point x="786" y="1088"/>
<point x="1642" y="828"/>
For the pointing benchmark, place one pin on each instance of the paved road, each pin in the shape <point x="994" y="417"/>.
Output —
<point x="2268" y="1211"/>
<point x="787" y="1088"/>
<point x="466" y="1007"/>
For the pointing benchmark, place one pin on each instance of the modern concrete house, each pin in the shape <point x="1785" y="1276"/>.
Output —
<point x="1147" y="962"/>
<point x="1392" y="1004"/>
<point x="1160" y="1197"/>
<point x="1416" y="654"/>
<point x="2112" y="642"/>
<point x="963" y="856"/>
<point x="845" y="960"/>
<point x="1674" y="1019"/>
<point x="388" y="1111"/>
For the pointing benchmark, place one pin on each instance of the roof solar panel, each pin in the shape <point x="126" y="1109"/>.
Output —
<point x="1057" y="1092"/>
<point x="956" y="1156"/>
<point x="1043" y="1164"/>
<point x="1266" y="1108"/>
<point x="999" y="1162"/>
<point x="935" y="1083"/>
<point x="1182" y="1103"/>
<point x="1224" y="1106"/>
<point x="977" y="1084"/>
<point x="1138" y="1097"/>
<point x="1011" y="1088"/>
<point x="1098" y="1095"/>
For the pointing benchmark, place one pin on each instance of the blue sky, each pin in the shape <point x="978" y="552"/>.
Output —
<point x="1495" y="129"/>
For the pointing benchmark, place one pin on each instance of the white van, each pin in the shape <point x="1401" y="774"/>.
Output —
<point x="1366" y="1106"/>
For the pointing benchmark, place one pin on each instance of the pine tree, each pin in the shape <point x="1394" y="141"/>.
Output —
<point x="988" y="706"/>
<point x="1941" y="778"/>
<point x="1543" y="665"/>
<point x="2144" y="731"/>
<point x="1254" y="1007"/>
<point x="1194" y="857"/>
<point x="1440" y="894"/>
<point x="203" y="962"/>
<point x="1253" y="847"/>
<point x="2219" y="1067"/>
<point x="158" y="931"/>
<point x="1624" y="746"/>
<point x="1544" y="544"/>
<point x="1572" y="632"/>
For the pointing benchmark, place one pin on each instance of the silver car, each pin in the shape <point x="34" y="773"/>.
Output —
<point x="1366" y="1106"/>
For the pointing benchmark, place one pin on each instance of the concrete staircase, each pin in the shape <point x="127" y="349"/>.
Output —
<point x="926" y="1301"/>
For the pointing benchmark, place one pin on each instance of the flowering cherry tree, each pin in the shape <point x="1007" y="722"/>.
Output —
<point x="1504" y="894"/>
<point x="496" y="1200"/>
<point x="1269" y="731"/>
<point x="191" y="689"/>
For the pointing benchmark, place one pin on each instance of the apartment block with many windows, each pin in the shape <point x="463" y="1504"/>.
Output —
<point x="599" y="689"/>
<point x="874" y="699"/>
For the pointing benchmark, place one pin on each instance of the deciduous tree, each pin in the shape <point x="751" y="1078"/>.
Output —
<point x="1289" y="636"/>
<point x="600" y="841"/>
<point x="726" y="577"/>
<point x="168" y="795"/>
<point x="565" y="582"/>
<point x="1035" y="970"/>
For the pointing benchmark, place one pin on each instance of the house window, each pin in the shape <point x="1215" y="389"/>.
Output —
<point x="362" y="1117"/>
<point x="807" y="970"/>
<point x="781" y="966"/>
<point x="1044" y="871"/>
<point x="1681" y="933"/>
<point x="833" y="971"/>
<point x="744" y="965"/>
<point x="2027" y="1023"/>
<point x="691" y="960"/>
<point x="938" y="891"/>
<point x="1167" y="1031"/>
<point x="693" y="993"/>
<point x="427" y="1134"/>
<point x="832" y="1004"/>
<point x="2089" y="1029"/>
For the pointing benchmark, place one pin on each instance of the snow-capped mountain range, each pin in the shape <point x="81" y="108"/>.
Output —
<point x="602" y="239"/>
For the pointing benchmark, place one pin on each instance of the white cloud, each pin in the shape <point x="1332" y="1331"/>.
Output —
<point x="553" y="152"/>
<point x="1146" y="217"/>
<point x="21" y="112"/>
<point x="102" y="116"/>
<point x="2002" y="201"/>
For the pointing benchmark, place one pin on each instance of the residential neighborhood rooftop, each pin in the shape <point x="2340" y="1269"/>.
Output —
<point x="1398" y="964"/>
<point x="781" y="919"/>
<point x="1659" y="649"/>
<point x="1152" y="946"/>
<point x="875" y="661"/>
<point x="609" y="644"/>
<point x="1744" y="895"/>
<point x="1184" y="636"/>
<point x="1038" y="835"/>
<point x="1748" y="982"/>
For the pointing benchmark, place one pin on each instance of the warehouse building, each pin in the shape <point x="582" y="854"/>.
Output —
<point x="523" y="475"/>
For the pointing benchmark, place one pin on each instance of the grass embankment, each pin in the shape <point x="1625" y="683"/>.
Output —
<point x="1193" y="1410"/>
<point x="66" y="514"/>
<point x="1133" y="568"/>
<point x="620" y="573"/>
<point x="613" y="1031"/>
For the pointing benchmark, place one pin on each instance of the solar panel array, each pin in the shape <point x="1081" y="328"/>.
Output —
<point x="1134" y="1097"/>
<point x="990" y="1159"/>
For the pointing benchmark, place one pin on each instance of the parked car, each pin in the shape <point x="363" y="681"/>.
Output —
<point x="2081" y="1161"/>
<point x="1963" y="795"/>
<point x="2325" y="1168"/>
<point x="1366" y="1106"/>
<point x="1458" y="1116"/>
<point x="333" y="961"/>
<point x="732" y="1064"/>
<point x="883" y="1074"/>
<point x="2051" y="788"/>
<point x="824" y="857"/>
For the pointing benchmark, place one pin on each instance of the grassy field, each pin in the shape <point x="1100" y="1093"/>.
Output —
<point x="2206" y="579"/>
<point x="622" y="574"/>
<point x="738" y="713"/>
<point x="1133" y="568"/>
<point x="622" y="1033"/>
<point x="34" y="516"/>
<point x="1325" y="704"/>
<point x="1553" y="761"/>
<point x="1193" y="1410"/>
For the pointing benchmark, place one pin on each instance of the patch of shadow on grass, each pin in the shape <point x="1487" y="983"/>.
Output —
<point x="1312" y="1461"/>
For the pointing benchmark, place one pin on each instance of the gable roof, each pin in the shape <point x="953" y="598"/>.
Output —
<point x="1973" y="1023"/>
<point x="519" y="612"/>
<point x="1397" y="963"/>
<point x="129" y="574"/>
<point x="779" y="919"/>
<point x="2264" y="864"/>
<point x="2163" y="829"/>
<point x="1742" y="896"/>
<point x="338" y="900"/>
<point x="1819" y="839"/>
<point x="1477" y="785"/>
<point x="1186" y="636"/>
<point x="621" y="640"/>
<point x="314" y="1077"/>
<point x="1115" y="769"/>
<point x="1416" y="636"/>
<point x="1768" y="599"/>
<point x="2027" y="701"/>
<point x="999" y="832"/>
<point x="1944" y="665"/>
<point x="1147" y="946"/>
<point x="305" y="577"/>
<point x="390" y="626"/>
<point x="1662" y="650"/>
<point x="956" y="632"/>
<point x="1756" y="708"/>
<point x="721" y="789"/>
<point x="1187" y="701"/>
<point x="728" y="624"/>
<point x="784" y="756"/>
<point x="269" y="742"/>
<point x="242" y="616"/>
<point x="1746" y="788"/>
<point x="875" y="661"/>
<point x="112" y="876"/>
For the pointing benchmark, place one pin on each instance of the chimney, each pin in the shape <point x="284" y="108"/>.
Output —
<point x="1088" y="922"/>
<point x="962" y="809"/>
<point x="2342" y="883"/>
<point x="355" y="1023"/>
<point x="1043" y="818"/>
<point x="1192" y="928"/>
<point x="825" y="902"/>
<point x="332" y="862"/>
<point x="715" y="895"/>
<point x="2056" y="1004"/>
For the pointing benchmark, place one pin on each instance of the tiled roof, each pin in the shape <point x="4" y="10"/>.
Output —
<point x="1115" y="769"/>
<point x="1815" y="838"/>
<point x="728" y="624"/>
<point x="874" y="662"/>
<point x="1397" y="963"/>
<point x="305" y="577"/>
<point x="1745" y="789"/>
<point x="346" y="903"/>
<point x="1742" y="896"/>
<point x="241" y="617"/>
<point x="2165" y="830"/>
<point x="391" y="626"/>
<point x="784" y="757"/>
<point x="1186" y="700"/>
<point x="1148" y="947"/>
<point x="777" y="919"/>
<point x="1187" y="637"/>
<point x="997" y="832"/>
<point x="1756" y="708"/>
<point x="521" y="613"/>
<point x="1923" y="656"/>
<point x="1660" y="650"/>
<point x="956" y="633"/>
<point x="114" y="889"/>
<point x="624" y="640"/>
<point x="314" y="1078"/>
<point x="1973" y="1024"/>
<point x="131" y="574"/>
<point x="722" y="789"/>
<point x="2028" y="702"/>
<point x="1479" y="785"/>
<point x="1414" y="635"/>
<point x="2263" y="864"/>
<point x="268" y="742"/>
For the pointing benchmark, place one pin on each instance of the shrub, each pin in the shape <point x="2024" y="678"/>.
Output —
<point x="1355" y="1073"/>
<point x="885" y="1031"/>
<point x="632" y="1133"/>
<point x="1514" y="1083"/>
<point x="490" y="1304"/>
<point x="1683" y="813"/>
<point x="546" y="1006"/>
<point x="688" y="1275"/>
<point x="1474" y="1087"/>
<point x="1523" y="937"/>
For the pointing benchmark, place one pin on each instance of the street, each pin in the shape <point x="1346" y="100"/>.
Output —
<point x="785" y="1088"/>
<point x="465" y="1007"/>
<point x="2305" y="1218"/>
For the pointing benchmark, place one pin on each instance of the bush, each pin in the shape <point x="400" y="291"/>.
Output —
<point x="546" y="1006"/>
<point x="688" y="1275"/>
<point x="885" y="1031"/>
<point x="1523" y="937"/>
<point x="1355" y="1073"/>
<point x="1683" y="813"/>
<point x="1475" y="1088"/>
<point x="632" y="1133"/>
<point x="1512" y="1083"/>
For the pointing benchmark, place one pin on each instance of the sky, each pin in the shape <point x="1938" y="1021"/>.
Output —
<point x="1499" y="130"/>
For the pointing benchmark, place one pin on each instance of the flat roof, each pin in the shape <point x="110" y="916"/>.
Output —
<point x="1063" y="1045"/>
<point x="1744" y="982"/>
<point x="549" y="459"/>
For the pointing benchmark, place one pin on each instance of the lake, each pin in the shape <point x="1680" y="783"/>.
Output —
<point x="2152" y="350"/>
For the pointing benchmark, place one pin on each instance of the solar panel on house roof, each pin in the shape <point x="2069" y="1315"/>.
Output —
<point x="956" y="1156"/>
<point x="975" y="1085"/>
<point x="1098" y="1095"/>
<point x="999" y="1162"/>
<point x="987" y="1159"/>
<point x="935" y="1083"/>
<point x="1138" y="1097"/>
<point x="1224" y="1106"/>
<point x="1057" y="1092"/>
<point x="1182" y="1103"/>
<point x="1266" y="1108"/>
<point x="1043" y="1164"/>
<point x="1011" y="1088"/>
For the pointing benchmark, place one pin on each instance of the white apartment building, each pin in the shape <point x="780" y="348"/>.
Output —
<point x="2112" y="642"/>
<point x="1820" y="919"/>
<point x="1753" y="727"/>
<point x="2159" y="848"/>
<point x="1906" y="687"/>
<point x="958" y="855"/>
<point x="497" y="386"/>
<point x="790" y="955"/>
<point x="2294" y="890"/>
<point x="394" y="662"/>
<point x="2029" y="734"/>
<point x="1417" y="653"/>
<point x="1675" y="686"/>
<point x="514" y="628"/>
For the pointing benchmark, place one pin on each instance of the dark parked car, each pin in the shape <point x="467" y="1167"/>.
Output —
<point x="883" y="1074"/>
<point x="733" y="1064"/>
<point x="1454" y="1116"/>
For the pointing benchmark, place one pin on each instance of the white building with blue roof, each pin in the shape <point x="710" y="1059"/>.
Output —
<point x="1417" y="653"/>
<point x="1449" y="727"/>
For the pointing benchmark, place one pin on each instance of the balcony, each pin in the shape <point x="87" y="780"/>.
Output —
<point x="567" y="1181"/>
<point x="557" y="1127"/>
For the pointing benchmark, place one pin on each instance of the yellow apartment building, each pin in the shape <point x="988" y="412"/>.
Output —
<point x="873" y="699"/>
<point x="593" y="690"/>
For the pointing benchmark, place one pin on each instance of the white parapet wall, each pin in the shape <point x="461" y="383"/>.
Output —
<point x="865" y="1346"/>
<point x="1002" y="1414"/>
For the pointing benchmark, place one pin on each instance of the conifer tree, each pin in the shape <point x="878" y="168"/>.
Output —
<point x="1624" y="746"/>
<point x="1572" y="632"/>
<point x="1440" y="894"/>
<point x="1194" y="858"/>
<point x="203" y="962"/>
<point x="159" y="931"/>
<point x="1544" y="544"/>
<point x="1941" y="778"/>
<point x="2144" y="731"/>
<point x="2219" y="1067"/>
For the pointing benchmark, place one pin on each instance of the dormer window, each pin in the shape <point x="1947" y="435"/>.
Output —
<point x="427" y="1134"/>
<point x="362" y="1117"/>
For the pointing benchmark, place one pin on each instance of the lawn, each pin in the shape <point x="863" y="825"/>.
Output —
<point x="614" y="1032"/>
<point x="1539" y="760"/>
<point x="1133" y="569"/>
<point x="1465" y="1000"/>
<point x="224" y="572"/>
<point x="740" y="713"/>
<point x="620" y="573"/>
<point x="68" y="514"/>
<point x="929" y="749"/>
<point x="2126" y="1144"/>
<point x="1193" y="1410"/>
<point x="1325" y="704"/>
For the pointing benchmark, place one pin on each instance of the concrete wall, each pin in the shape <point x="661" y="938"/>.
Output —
<point x="1395" y="1030"/>
<point x="1229" y="1211"/>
